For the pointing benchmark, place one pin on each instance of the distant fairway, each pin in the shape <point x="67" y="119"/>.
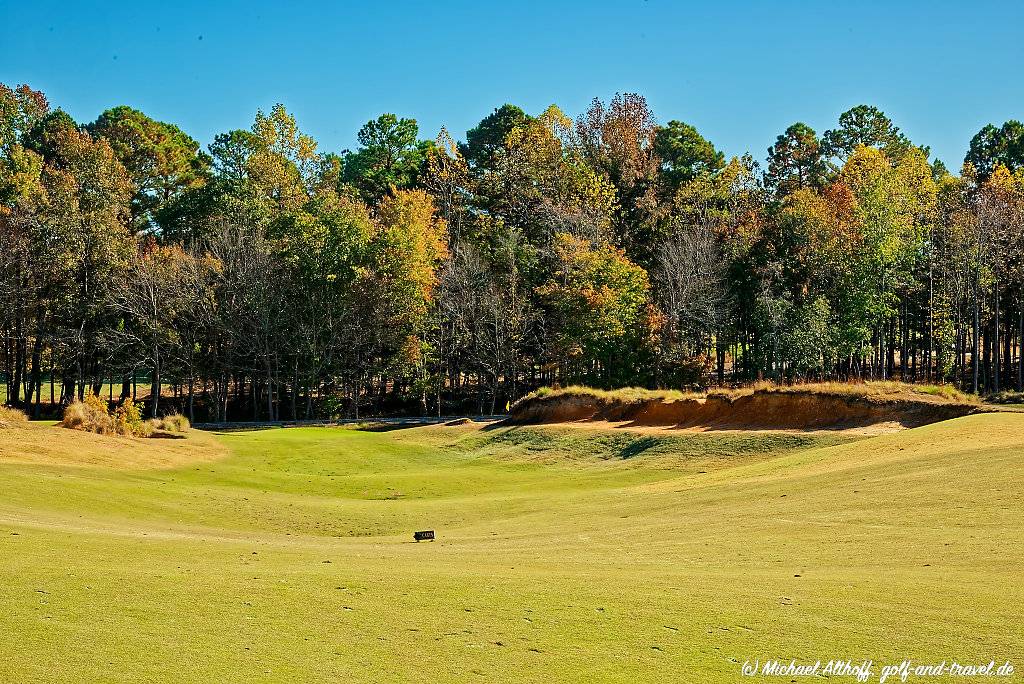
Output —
<point x="563" y="553"/>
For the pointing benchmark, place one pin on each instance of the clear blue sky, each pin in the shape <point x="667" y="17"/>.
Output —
<point x="741" y="72"/>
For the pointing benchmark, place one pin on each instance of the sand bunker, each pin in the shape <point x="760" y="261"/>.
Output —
<point x="756" y="410"/>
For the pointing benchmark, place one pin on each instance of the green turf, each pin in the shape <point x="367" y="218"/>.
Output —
<point x="563" y="554"/>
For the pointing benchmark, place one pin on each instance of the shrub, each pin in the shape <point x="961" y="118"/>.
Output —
<point x="90" y="415"/>
<point x="128" y="419"/>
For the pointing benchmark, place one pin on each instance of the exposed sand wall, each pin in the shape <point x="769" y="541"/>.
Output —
<point x="760" y="409"/>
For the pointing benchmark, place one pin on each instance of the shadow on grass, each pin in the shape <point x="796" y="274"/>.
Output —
<point x="166" y="435"/>
<point x="637" y="447"/>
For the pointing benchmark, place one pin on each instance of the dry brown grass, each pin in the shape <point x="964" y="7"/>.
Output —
<point x="11" y="416"/>
<point x="624" y="394"/>
<point x="173" y="422"/>
<point x="93" y="415"/>
<point x="90" y="415"/>
<point x="1007" y="397"/>
<point x="49" y="444"/>
<point x="875" y="388"/>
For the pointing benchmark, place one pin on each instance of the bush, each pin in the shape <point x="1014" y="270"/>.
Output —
<point x="173" y="422"/>
<point x="128" y="420"/>
<point x="90" y="415"/>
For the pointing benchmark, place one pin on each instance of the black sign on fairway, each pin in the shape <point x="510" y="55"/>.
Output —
<point x="423" y="535"/>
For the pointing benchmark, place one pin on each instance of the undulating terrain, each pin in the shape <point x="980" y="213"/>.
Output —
<point x="563" y="553"/>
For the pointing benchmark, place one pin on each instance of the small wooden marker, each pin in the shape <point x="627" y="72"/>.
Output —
<point x="423" y="535"/>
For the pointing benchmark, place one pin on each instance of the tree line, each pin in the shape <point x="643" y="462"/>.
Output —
<point x="262" y="278"/>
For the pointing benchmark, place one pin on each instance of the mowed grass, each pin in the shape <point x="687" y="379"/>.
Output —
<point x="563" y="554"/>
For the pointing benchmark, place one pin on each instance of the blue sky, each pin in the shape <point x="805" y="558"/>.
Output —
<point x="741" y="72"/>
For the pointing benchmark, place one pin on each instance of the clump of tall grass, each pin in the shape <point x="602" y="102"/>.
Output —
<point x="89" y="415"/>
<point x="626" y="395"/>
<point x="11" y="416"/>
<point x="1007" y="397"/>
<point x="877" y="388"/>
<point x="869" y="388"/>
<point x="172" y="422"/>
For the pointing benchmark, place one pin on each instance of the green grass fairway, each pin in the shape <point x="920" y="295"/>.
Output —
<point x="563" y="554"/>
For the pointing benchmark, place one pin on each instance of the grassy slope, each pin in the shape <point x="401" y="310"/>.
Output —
<point x="290" y="560"/>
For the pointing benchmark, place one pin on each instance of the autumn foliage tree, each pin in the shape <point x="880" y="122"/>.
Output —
<point x="602" y="323"/>
<point x="264" y="278"/>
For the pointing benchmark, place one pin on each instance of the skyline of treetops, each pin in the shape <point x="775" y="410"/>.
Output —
<point x="265" y="278"/>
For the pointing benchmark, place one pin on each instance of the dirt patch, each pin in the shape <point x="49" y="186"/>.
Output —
<point x="756" y="410"/>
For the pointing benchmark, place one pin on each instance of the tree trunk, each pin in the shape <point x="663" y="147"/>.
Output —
<point x="976" y="343"/>
<point x="270" y="393"/>
<point x="295" y="391"/>
<point x="1020" y="348"/>
<point x="14" y="385"/>
<point x="995" y="347"/>
<point x="34" y="383"/>
<point x="1007" y="366"/>
<point x="154" y="388"/>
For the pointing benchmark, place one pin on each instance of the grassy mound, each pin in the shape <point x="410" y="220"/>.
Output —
<point x="684" y="451"/>
<point x="812" y="406"/>
<point x="44" y="443"/>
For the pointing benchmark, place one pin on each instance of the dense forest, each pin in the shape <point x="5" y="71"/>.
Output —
<point x="262" y="278"/>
